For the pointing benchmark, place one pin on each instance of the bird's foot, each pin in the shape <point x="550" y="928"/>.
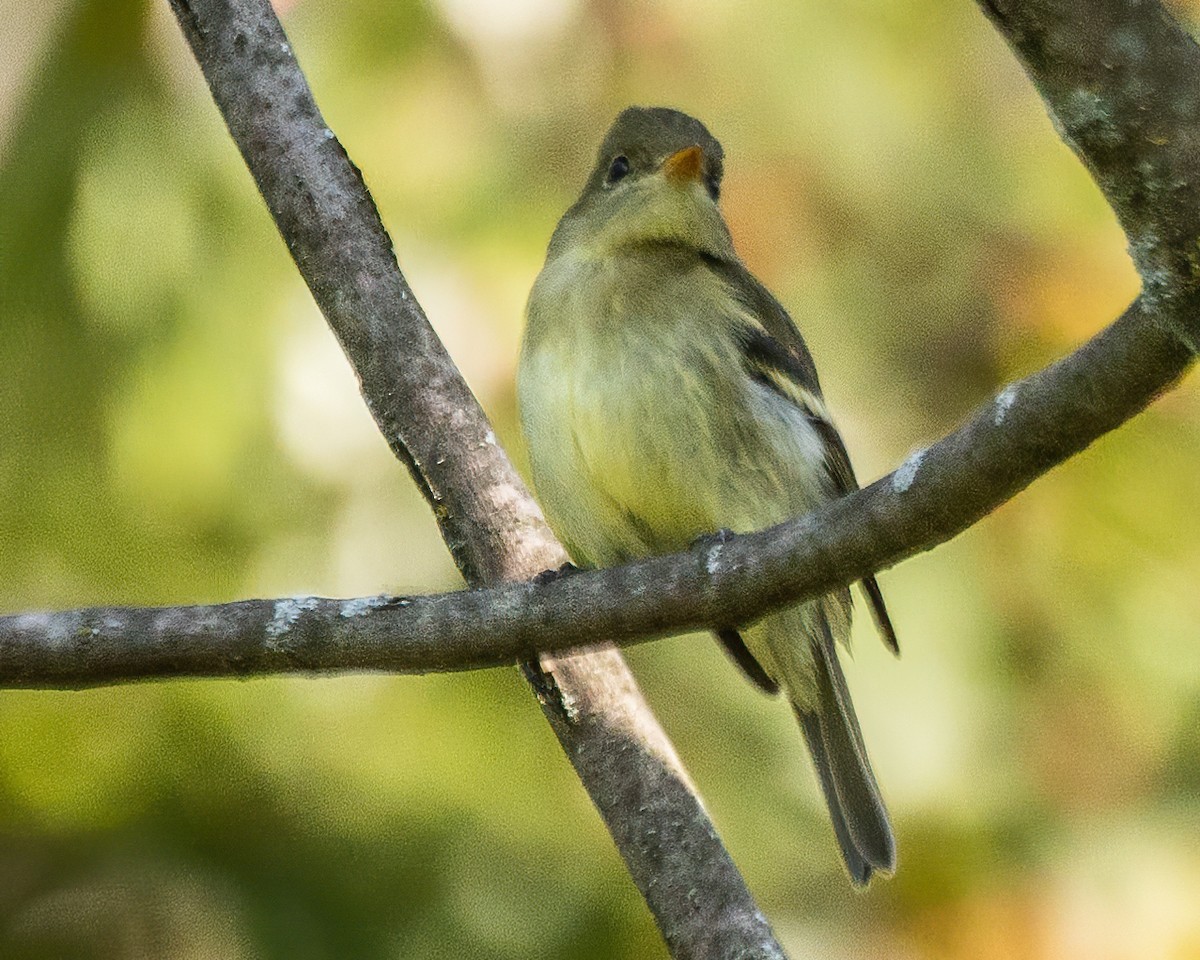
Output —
<point x="717" y="539"/>
<point x="558" y="573"/>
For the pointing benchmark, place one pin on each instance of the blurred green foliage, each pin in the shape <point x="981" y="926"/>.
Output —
<point x="176" y="424"/>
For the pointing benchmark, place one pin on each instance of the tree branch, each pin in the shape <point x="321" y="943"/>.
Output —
<point x="434" y="425"/>
<point x="1031" y="426"/>
<point x="1123" y="82"/>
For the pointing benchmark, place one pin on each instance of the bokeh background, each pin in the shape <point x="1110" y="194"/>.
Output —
<point x="178" y="425"/>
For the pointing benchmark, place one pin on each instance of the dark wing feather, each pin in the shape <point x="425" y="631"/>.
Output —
<point x="736" y="647"/>
<point x="776" y="354"/>
<point x="786" y="345"/>
<point x="838" y="459"/>
<point x="879" y="612"/>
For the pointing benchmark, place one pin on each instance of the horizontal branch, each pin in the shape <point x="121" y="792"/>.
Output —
<point x="1027" y="429"/>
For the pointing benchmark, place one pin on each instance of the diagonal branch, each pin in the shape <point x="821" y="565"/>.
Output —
<point x="434" y="425"/>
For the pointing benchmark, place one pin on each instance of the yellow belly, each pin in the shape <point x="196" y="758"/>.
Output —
<point x="644" y="429"/>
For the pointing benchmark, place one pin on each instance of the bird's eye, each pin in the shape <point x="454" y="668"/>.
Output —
<point x="713" y="186"/>
<point x="619" y="169"/>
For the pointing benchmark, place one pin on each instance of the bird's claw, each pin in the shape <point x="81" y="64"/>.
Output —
<point x="716" y="539"/>
<point x="549" y="576"/>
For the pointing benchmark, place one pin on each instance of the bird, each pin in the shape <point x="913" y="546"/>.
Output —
<point x="666" y="396"/>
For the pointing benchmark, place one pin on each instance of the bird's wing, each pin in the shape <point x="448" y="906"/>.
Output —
<point x="777" y="356"/>
<point x="736" y="647"/>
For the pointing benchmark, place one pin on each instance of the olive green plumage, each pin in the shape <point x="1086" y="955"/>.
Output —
<point x="666" y="395"/>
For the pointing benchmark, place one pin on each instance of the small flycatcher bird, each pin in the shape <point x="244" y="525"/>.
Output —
<point x="666" y="395"/>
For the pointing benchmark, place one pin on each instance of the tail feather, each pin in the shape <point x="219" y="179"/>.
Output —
<point x="834" y="739"/>
<point x="860" y="869"/>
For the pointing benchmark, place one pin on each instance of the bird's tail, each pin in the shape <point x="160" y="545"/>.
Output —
<point x="831" y="730"/>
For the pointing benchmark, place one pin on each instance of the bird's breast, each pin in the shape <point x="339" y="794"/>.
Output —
<point x="643" y="427"/>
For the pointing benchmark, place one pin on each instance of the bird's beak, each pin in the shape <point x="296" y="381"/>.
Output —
<point x="685" y="165"/>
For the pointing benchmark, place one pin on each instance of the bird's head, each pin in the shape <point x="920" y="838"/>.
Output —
<point x="657" y="180"/>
